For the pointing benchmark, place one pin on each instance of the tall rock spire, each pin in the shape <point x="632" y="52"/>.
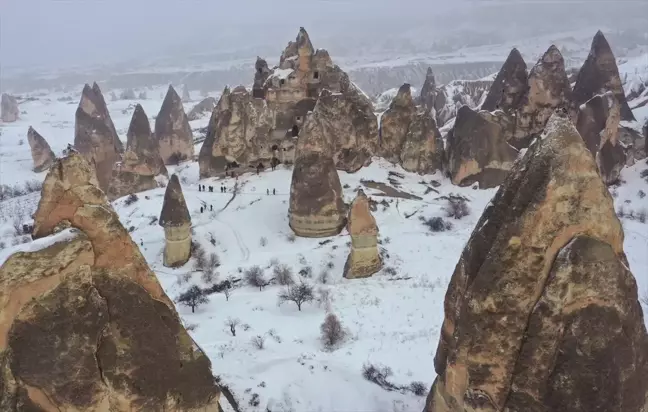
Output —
<point x="509" y="86"/>
<point x="172" y="130"/>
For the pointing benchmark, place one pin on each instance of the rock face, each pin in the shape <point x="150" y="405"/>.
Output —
<point x="262" y="127"/>
<point x="364" y="259"/>
<point x="142" y="161"/>
<point x="509" y="85"/>
<point x="172" y="130"/>
<point x="40" y="150"/>
<point x="95" y="136"/>
<point x="422" y="151"/>
<point x="316" y="206"/>
<point x="86" y="325"/>
<point x="186" y="96"/>
<point x="176" y="221"/>
<point x="477" y="150"/>
<point x="9" y="111"/>
<point x="541" y="313"/>
<point x="598" y="124"/>
<point x="206" y="105"/>
<point x="600" y="74"/>
<point x="429" y="91"/>
<point x="395" y="122"/>
<point x="344" y="126"/>
<point x="452" y="96"/>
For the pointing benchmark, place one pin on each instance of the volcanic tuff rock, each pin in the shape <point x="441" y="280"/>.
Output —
<point x="176" y="221"/>
<point x="451" y="97"/>
<point x="428" y="94"/>
<point x="600" y="74"/>
<point x="172" y="130"/>
<point x="547" y="89"/>
<point x="598" y="124"/>
<point x="206" y="105"/>
<point x="142" y="161"/>
<point x="40" y="150"/>
<point x="477" y="150"/>
<point x="509" y="86"/>
<point x="261" y="73"/>
<point x="364" y="259"/>
<point x="541" y="313"/>
<point x="343" y="126"/>
<point x="95" y="136"/>
<point x="86" y="325"/>
<point x="394" y="124"/>
<point x="422" y="151"/>
<point x="9" y="111"/>
<point x="316" y="206"/>
<point x="186" y="96"/>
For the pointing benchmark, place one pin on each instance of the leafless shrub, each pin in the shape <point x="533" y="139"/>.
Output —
<point x="332" y="332"/>
<point x="436" y="224"/>
<point x="456" y="208"/>
<point x="283" y="275"/>
<point x="21" y="142"/>
<point x="258" y="342"/>
<point x="306" y="272"/>
<point x="193" y="297"/>
<point x="291" y="238"/>
<point x="641" y="194"/>
<point x="263" y="241"/>
<point x="324" y="276"/>
<point x="302" y="260"/>
<point x="379" y="375"/>
<point x="255" y="400"/>
<point x="390" y="271"/>
<point x="298" y="293"/>
<point x="273" y="334"/>
<point x="33" y="186"/>
<point x="2" y="245"/>
<point x="232" y="323"/>
<point x="254" y="277"/>
<point x="621" y="212"/>
<point x="418" y="388"/>
<point x="330" y="264"/>
<point x="324" y="298"/>
<point x="132" y="198"/>
<point x="190" y="327"/>
<point x="641" y="215"/>
<point x="17" y="224"/>
<point x="212" y="239"/>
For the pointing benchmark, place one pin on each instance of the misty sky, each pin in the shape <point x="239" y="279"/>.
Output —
<point x="62" y="33"/>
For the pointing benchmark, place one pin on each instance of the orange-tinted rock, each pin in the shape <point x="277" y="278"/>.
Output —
<point x="509" y="86"/>
<point x="176" y="221"/>
<point x="364" y="259"/>
<point x="172" y="130"/>
<point x="40" y="150"/>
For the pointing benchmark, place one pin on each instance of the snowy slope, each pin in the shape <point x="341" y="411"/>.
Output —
<point x="393" y="318"/>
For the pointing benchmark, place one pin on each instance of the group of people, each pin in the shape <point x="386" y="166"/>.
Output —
<point x="274" y="191"/>
<point x="204" y="208"/>
<point x="203" y="188"/>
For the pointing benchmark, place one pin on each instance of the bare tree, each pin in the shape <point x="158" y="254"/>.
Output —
<point x="298" y="293"/>
<point x="227" y="290"/>
<point x="258" y="342"/>
<point x="254" y="277"/>
<point x="283" y="275"/>
<point x="192" y="298"/>
<point x="232" y="323"/>
<point x="332" y="331"/>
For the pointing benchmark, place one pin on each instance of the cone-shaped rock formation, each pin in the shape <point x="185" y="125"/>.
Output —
<point x="172" y="130"/>
<point x="142" y="161"/>
<point x="94" y="134"/>
<point x="509" y="86"/>
<point x="9" y="111"/>
<point x="542" y="313"/>
<point x="86" y="325"/>
<point x="364" y="259"/>
<point x="395" y="122"/>
<point x="316" y="206"/>
<point x="40" y="150"/>
<point x="598" y="124"/>
<point x="428" y="94"/>
<point x="477" y="150"/>
<point x="176" y="221"/>
<point x="422" y="151"/>
<point x="600" y="74"/>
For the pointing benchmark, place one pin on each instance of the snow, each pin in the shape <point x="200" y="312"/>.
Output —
<point x="39" y="244"/>
<point x="282" y="73"/>
<point x="393" y="318"/>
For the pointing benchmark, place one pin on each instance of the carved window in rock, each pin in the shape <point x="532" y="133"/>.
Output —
<point x="282" y="82"/>
<point x="316" y="75"/>
<point x="295" y="131"/>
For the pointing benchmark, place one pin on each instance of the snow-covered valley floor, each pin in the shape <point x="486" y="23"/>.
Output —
<point x="393" y="318"/>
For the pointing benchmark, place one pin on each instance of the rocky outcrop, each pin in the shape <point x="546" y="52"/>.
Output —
<point x="9" y="111"/>
<point x="95" y="136"/>
<point x="41" y="152"/>
<point x="205" y="106"/>
<point x="542" y="313"/>
<point x="172" y="130"/>
<point x="598" y="124"/>
<point x="316" y="206"/>
<point x="509" y="86"/>
<point x="142" y="161"/>
<point x="186" y="96"/>
<point x="428" y="94"/>
<point x="394" y="124"/>
<point x="364" y="259"/>
<point x="600" y="74"/>
<point x="634" y="142"/>
<point x="458" y="93"/>
<point x="422" y="151"/>
<point x="261" y="74"/>
<point x="344" y="126"/>
<point x="477" y="150"/>
<point x="86" y="325"/>
<point x="548" y="89"/>
<point x="176" y="221"/>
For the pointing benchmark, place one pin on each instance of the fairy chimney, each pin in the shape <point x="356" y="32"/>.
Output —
<point x="9" y="111"/>
<point x="40" y="150"/>
<point x="176" y="221"/>
<point x="509" y="86"/>
<point x="364" y="259"/>
<point x="172" y="130"/>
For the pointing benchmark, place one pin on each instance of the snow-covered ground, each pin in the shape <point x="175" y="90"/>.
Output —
<point x="393" y="318"/>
